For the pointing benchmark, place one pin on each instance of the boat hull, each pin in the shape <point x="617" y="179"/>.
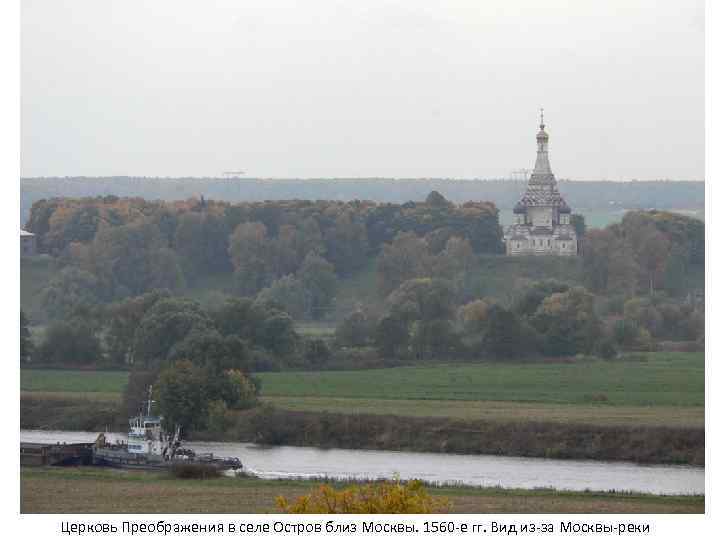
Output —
<point x="123" y="459"/>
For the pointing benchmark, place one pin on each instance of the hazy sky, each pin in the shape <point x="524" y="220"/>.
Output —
<point x="322" y="88"/>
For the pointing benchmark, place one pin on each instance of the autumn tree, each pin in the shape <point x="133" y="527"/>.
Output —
<point x="405" y="258"/>
<point x="567" y="322"/>
<point x="532" y="296"/>
<point x="474" y="315"/>
<point x="131" y="260"/>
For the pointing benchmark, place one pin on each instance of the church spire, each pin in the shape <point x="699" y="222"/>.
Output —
<point x="542" y="172"/>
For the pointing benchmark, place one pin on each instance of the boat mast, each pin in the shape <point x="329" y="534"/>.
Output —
<point x="149" y="400"/>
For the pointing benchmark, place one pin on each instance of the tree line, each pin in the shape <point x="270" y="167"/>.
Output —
<point x="604" y="195"/>
<point x="629" y="296"/>
<point x="114" y="248"/>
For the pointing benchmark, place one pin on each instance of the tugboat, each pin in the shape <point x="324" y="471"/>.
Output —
<point x="149" y="446"/>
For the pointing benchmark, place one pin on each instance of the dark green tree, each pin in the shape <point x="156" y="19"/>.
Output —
<point x="320" y="283"/>
<point x="507" y="336"/>
<point x="205" y="346"/>
<point x="423" y="299"/>
<point x="392" y="337"/>
<point x="183" y="396"/>
<point x="568" y="322"/>
<point x="69" y="343"/>
<point x="123" y="323"/>
<point x="69" y="289"/>
<point x="289" y="294"/>
<point x="356" y="330"/>
<point x="165" y="325"/>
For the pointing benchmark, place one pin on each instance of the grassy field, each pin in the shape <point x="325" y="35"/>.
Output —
<point x="502" y="411"/>
<point x="665" y="389"/>
<point x="664" y="379"/>
<point x="74" y="381"/>
<point x="655" y="379"/>
<point x="88" y="490"/>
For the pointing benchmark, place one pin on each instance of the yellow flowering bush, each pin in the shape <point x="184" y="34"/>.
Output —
<point x="374" y="498"/>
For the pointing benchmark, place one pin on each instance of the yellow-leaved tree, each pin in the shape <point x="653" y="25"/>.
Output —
<point x="373" y="498"/>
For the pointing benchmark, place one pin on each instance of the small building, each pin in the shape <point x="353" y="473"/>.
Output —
<point x="27" y="244"/>
<point x="541" y="219"/>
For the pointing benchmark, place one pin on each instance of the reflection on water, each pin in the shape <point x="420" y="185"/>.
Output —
<point x="510" y="472"/>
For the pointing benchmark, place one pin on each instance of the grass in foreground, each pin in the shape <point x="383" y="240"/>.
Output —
<point x="91" y="490"/>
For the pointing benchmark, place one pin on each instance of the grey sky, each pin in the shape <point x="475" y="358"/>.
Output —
<point x="318" y="88"/>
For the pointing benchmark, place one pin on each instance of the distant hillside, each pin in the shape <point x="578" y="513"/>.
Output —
<point x="582" y="196"/>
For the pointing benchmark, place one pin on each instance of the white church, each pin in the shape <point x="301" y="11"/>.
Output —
<point x="541" y="219"/>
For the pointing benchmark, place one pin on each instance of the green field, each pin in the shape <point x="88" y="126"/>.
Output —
<point x="667" y="379"/>
<point x="501" y="411"/>
<point x="89" y="490"/>
<point x="73" y="381"/>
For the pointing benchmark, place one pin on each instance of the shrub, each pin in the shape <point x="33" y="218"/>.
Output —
<point x="374" y="498"/>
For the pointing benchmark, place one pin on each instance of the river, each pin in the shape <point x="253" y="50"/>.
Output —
<point x="475" y="470"/>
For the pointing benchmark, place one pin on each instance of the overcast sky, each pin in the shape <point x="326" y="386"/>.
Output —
<point x="322" y="88"/>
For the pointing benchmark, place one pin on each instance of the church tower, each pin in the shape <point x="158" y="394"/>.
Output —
<point x="541" y="219"/>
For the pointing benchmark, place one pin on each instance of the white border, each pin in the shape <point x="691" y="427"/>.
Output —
<point x="44" y="526"/>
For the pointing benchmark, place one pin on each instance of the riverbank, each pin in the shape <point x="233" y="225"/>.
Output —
<point x="92" y="490"/>
<point x="523" y="438"/>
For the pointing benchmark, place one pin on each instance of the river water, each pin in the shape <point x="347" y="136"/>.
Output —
<point x="476" y="470"/>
